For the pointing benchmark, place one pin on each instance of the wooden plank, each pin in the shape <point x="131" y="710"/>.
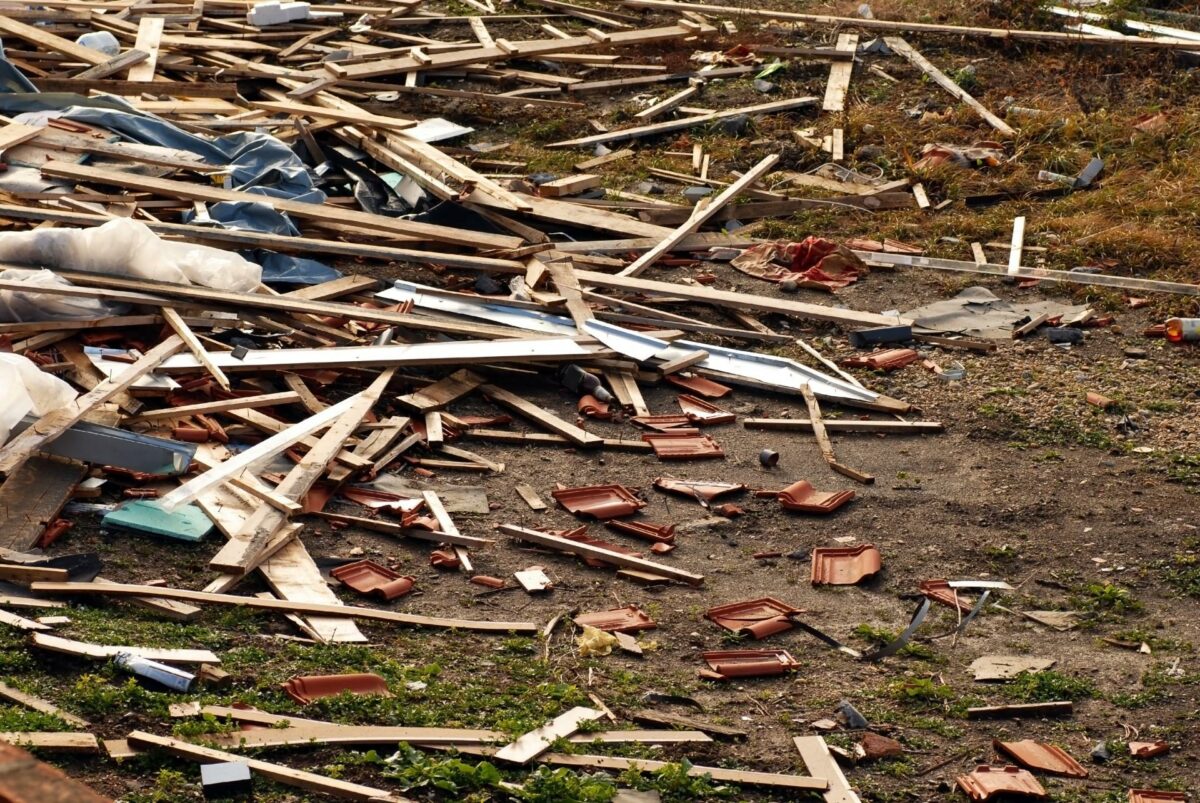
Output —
<point x="287" y="776"/>
<point x="845" y="425"/>
<point x="820" y="762"/>
<point x="433" y="536"/>
<point x="110" y="67"/>
<point x="839" y="74"/>
<point x="319" y="212"/>
<point x="24" y="575"/>
<point x="744" y="301"/>
<point x="654" y="129"/>
<point x="587" y="550"/>
<point x="48" y="41"/>
<point x="569" y="185"/>
<point x="443" y="392"/>
<point x="257" y="603"/>
<point x="238" y="554"/>
<point x="543" y="418"/>
<point x="1016" y="250"/>
<point x="180" y="327"/>
<point x="52" y="740"/>
<point x="665" y="105"/>
<point x="50" y="426"/>
<point x="240" y="403"/>
<point x="38" y="704"/>
<point x="171" y="609"/>
<point x="600" y="161"/>
<point x="16" y="133"/>
<point x="679" y="721"/>
<point x="699" y="217"/>
<point x="149" y="35"/>
<point x="332" y="734"/>
<point x="530" y="496"/>
<point x="32" y="497"/>
<point x="104" y="652"/>
<point x="530" y="745"/>
<point x="947" y="83"/>
<point x="546" y="439"/>
<point x="817" y="424"/>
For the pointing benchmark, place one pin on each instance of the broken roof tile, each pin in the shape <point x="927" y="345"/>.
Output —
<point x="1040" y="756"/>
<point x="701" y="412"/>
<point x="306" y="688"/>
<point x="673" y="446"/>
<point x="664" y="423"/>
<point x="886" y="360"/>
<point x="368" y="577"/>
<point x="757" y="618"/>
<point x="702" y="492"/>
<point x="845" y="566"/>
<point x="598" y="501"/>
<point x="592" y="407"/>
<point x="725" y="664"/>
<point x="630" y="619"/>
<point x="1156" y="796"/>
<point x="698" y="385"/>
<point x="1148" y="749"/>
<point x="580" y="534"/>
<point x="801" y="497"/>
<point x="661" y="533"/>
<point x="940" y="592"/>
<point x="984" y="782"/>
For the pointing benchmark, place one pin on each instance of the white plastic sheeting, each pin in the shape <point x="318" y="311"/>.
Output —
<point x="24" y="389"/>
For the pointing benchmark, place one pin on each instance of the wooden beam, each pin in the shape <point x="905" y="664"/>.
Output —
<point x="53" y="740"/>
<point x="259" y="603"/>
<point x="744" y="301"/>
<point x="699" y="216"/>
<point x="55" y="423"/>
<point x="845" y="425"/>
<point x="15" y="133"/>
<point x="180" y="327"/>
<point x="309" y="781"/>
<point x="817" y="423"/>
<point x="443" y="392"/>
<point x="586" y="550"/>
<point x="240" y="403"/>
<point x="820" y="762"/>
<point x="543" y="418"/>
<point x="839" y="74"/>
<point x="110" y="67"/>
<point x="48" y="41"/>
<point x="104" y="652"/>
<point x="947" y="83"/>
<point x="149" y="35"/>
<point x="32" y="497"/>
<point x="300" y="209"/>
<point x="530" y="745"/>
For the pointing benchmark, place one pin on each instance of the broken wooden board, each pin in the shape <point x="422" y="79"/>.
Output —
<point x="104" y="652"/>
<point x="442" y="392"/>
<point x="947" y="83"/>
<point x="540" y="416"/>
<point x="839" y="74"/>
<point x="819" y="762"/>
<point x="32" y="497"/>
<point x="53" y="740"/>
<point x="1006" y="667"/>
<point x="38" y="704"/>
<point x="589" y="551"/>
<point x="532" y="744"/>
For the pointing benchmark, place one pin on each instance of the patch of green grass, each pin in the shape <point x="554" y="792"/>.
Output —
<point x="1184" y="469"/>
<point x="677" y="783"/>
<point x="1048" y="686"/>
<point x="17" y="719"/>
<point x="1182" y="570"/>
<point x="919" y="691"/>
<point x="1105" y="598"/>
<point x="1156" y="642"/>
<point x="878" y="636"/>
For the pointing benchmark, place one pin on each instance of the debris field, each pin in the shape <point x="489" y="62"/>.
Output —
<point x="634" y="400"/>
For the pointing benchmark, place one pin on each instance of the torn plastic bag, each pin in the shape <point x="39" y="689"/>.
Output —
<point x="25" y="388"/>
<point x="19" y="306"/>
<point x="128" y="247"/>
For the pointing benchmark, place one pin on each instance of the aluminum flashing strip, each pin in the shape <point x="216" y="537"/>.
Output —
<point x="458" y="352"/>
<point x="531" y="320"/>
<point x="783" y="373"/>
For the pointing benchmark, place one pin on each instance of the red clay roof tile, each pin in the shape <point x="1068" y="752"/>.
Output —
<point x="844" y="566"/>
<point x="1156" y="796"/>
<point x="661" y="533"/>
<point x="984" y="782"/>
<point x="757" y="618"/>
<point x="1148" y="749"/>
<point x="1046" y="758"/>
<point x="727" y="664"/>
<point x="698" y="385"/>
<point x="630" y="619"/>
<point x="594" y="408"/>
<point x="306" y="688"/>
<point x="702" y="492"/>
<point x="599" y="501"/>
<point x="368" y="577"/>
<point x="672" y="446"/>
<point x="703" y="413"/>
<point x="801" y="497"/>
<point x="664" y="423"/>
<point x="940" y="591"/>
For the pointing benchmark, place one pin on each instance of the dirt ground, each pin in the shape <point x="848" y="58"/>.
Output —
<point x="1081" y="509"/>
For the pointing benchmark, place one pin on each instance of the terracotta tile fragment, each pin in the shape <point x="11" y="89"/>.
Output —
<point x="698" y="385"/>
<point x="599" y="501"/>
<point x="1156" y="796"/>
<point x="757" y="618"/>
<point x="726" y="664"/>
<point x="664" y="533"/>
<point x="368" y="577"/>
<point x="592" y="407"/>
<point x="1040" y="756"/>
<point x="876" y="747"/>
<point x="306" y="688"/>
<point x="845" y="566"/>
<point x="444" y="559"/>
<point x="487" y="580"/>
<point x="703" y="492"/>
<point x="630" y="619"/>
<point x="940" y="591"/>
<point x="984" y="782"/>
<point x="703" y="413"/>
<point x="803" y="498"/>
<point x="1148" y="749"/>
<point x="672" y="446"/>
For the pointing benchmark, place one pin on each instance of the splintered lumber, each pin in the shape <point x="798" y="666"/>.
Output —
<point x="699" y="216"/>
<point x="839" y="74"/>
<point x="1050" y="709"/>
<point x="845" y="425"/>
<point x="266" y="604"/>
<point x="530" y="745"/>
<point x="686" y="122"/>
<point x="619" y="764"/>
<point x="100" y="71"/>
<point x="239" y="553"/>
<point x="104" y="652"/>
<point x="947" y="83"/>
<point x="149" y="35"/>
<point x="53" y="740"/>
<point x="442" y="392"/>
<point x="318" y="212"/>
<point x="1000" y="34"/>
<point x="287" y="776"/>
<point x="57" y="44"/>
<point x="55" y="423"/>
<point x="820" y="762"/>
<point x="662" y="107"/>
<point x="585" y="550"/>
<point x="548" y="420"/>
<point x="38" y="704"/>
<point x="817" y="424"/>
<point x="32" y="497"/>
<point x="180" y="327"/>
<point x="24" y="575"/>
<point x="742" y="301"/>
<point x="333" y="734"/>
<point x="240" y="403"/>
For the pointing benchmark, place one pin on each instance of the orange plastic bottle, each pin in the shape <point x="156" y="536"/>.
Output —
<point x="1180" y="329"/>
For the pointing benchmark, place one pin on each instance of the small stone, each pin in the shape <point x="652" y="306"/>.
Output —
<point x="1100" y="753"/>
<point x="734" y="126"/>
<point x="356" y="552"/>
<point x="789" y="286"/>
<point x="763" y="86"/>
<point x="875" y="747"/>
<point x="696" y="193"/>
<point x="850" y="715"/>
